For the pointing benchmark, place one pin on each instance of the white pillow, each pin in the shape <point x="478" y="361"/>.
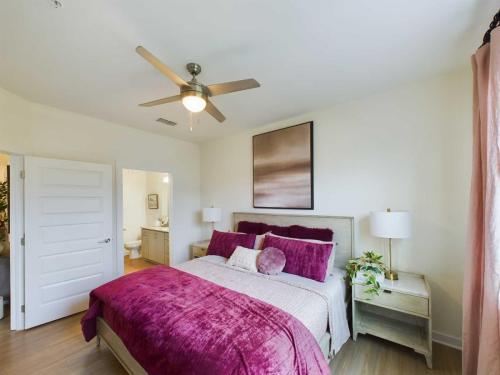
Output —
<point x="331" y="260"/>
<point x="244" y="258"/>
<point x="259" y="241"/>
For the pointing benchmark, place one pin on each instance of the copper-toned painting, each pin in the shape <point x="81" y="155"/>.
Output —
<point x="283" y="168"/>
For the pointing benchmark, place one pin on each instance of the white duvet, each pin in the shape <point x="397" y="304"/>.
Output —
<point x="317" y="305"/>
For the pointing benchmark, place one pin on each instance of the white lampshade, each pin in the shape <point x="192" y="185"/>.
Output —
<point x="211" y="215"/>
<point x="391" y="224"/>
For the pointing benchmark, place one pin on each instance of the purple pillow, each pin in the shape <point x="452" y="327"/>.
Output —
<point x="321" y="234"/>
<point x="304" y="259"/>
<point x="271" y="261"/>
<point x="280" y="231"/>
<point x="250" y="227"/>
<point x="224" y="243"/>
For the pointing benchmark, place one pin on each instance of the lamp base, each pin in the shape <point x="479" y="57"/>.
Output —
<point x="391" y="275"/>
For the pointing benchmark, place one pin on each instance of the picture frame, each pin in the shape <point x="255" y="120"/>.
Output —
<point x="283" y="168"/>
<point x="153" y="201"/>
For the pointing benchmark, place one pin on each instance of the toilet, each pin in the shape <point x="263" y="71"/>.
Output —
<point x="134" y="247"/>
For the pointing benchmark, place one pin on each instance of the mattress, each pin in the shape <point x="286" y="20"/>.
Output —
<point x="318" y="306"/>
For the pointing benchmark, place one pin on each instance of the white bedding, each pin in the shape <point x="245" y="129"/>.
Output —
<point x="317" y="305"/>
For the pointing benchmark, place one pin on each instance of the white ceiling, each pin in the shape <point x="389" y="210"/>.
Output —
<point x="306" y="54"/>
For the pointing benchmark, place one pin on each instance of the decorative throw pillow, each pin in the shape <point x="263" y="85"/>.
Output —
<point x="271" y="261"/>
<point x="244" y="258"/>
<point x="262" y="228"/>
<point x="259" y="241"/>
<point x="224" y="243"/>
<point x="303" y="258"/>
<point x="331" y="260"/>
<point x="321" y="234"/>
<point x="279" y="230"/>
<point x="293" y="231"/>
<point x="251" y="227"/>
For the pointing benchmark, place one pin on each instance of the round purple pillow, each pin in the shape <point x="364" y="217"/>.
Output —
<point x="271" y="261"/>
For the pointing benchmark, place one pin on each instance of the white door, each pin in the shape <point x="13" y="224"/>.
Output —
<point x="68" y="227"/>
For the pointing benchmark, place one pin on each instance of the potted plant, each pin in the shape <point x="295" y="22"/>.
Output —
<point x="367" y="270"/>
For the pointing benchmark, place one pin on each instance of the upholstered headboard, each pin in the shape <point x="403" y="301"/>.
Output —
<point x="342" y="226"/>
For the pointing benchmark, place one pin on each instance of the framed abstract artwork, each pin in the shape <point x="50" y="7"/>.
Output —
<point x="153" y="201"/>
<point x="283" y="168"/>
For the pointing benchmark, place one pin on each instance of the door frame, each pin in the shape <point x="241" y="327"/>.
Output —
<point x="120" y="251"/>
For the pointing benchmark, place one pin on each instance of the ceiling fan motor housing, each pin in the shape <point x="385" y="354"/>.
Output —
<point x="195" y="89"/>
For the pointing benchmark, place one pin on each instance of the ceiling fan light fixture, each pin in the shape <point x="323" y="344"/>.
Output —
<point x="193" y="94"/>
<point x="194" y="102"/>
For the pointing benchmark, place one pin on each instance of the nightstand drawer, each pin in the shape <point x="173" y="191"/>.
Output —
<point x="395" y="300"/>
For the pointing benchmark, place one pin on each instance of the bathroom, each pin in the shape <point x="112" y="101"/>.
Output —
<point x="146" y="204"/>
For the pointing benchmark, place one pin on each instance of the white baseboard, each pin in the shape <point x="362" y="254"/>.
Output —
<point x="448" y="340"/>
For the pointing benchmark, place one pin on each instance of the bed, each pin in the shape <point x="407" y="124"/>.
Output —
<point x="319" y="307"/>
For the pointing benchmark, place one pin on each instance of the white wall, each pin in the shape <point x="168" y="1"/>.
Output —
<point x="407" y="149"/>
<point x="155" y="185"/>
<point x="134" y="204"/>
<point x="33" y="129"/>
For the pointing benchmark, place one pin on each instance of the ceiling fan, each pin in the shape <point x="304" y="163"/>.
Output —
<point x="193" y="94"/>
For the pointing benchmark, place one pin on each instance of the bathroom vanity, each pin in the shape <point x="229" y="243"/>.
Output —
<point x="155" y="246"/>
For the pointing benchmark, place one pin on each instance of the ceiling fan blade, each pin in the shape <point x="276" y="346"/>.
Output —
<point x="227" y="87"/>
<point x="168" y="99"/>
<point x="161" y="66"/>
<point x="212" y="110"/>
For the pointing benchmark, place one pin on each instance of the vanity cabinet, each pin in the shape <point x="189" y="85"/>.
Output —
<point x="155" y="246"/>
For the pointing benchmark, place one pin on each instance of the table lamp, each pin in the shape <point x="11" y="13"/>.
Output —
<point x="211" y="215"/>
<point x="390" y="224"/>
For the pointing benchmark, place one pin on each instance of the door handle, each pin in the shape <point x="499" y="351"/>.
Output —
<point x="107" y="240"/>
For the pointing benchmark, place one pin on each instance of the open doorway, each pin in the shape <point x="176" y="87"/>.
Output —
<point x="146" y="230"/>
<point x="4" y="235"/>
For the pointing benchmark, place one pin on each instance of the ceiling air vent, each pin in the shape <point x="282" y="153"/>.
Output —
<point x="166" y="122"/>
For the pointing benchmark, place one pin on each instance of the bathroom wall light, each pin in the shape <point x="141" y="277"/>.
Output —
<point x="166" y="180"/>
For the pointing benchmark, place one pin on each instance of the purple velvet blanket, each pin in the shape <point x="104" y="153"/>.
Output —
<point x="173" y="322"/>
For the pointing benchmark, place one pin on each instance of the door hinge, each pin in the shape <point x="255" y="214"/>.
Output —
<point x="22" y="174"/>
<point x="23" y="308"/>
<point x="23" y="240"/>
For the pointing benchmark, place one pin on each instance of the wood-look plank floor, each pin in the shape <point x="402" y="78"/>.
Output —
<point x="133" y="265"/>
<point x="374" y="356"/>
<point x="58" y="348"/>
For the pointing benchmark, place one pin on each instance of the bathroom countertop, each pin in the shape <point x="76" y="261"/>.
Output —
<point x="159" y="229"/>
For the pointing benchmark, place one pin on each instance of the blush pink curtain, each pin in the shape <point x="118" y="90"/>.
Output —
<point x="481" y="321"/>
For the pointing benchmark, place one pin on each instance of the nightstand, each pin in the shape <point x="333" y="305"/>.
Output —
<point x="199" y="249"/>
<point x="401" y="313"/>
